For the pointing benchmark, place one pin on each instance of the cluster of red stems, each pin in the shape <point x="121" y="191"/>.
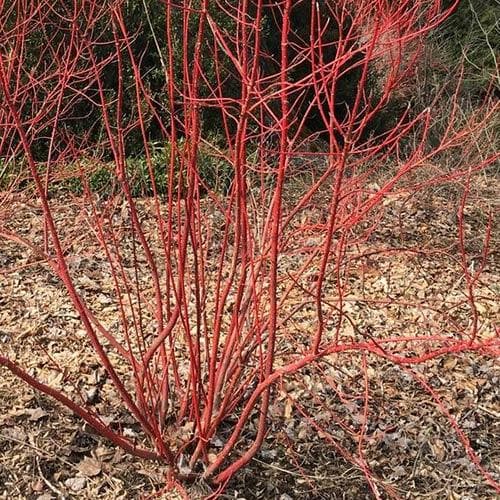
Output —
<point x="198" y="363"/>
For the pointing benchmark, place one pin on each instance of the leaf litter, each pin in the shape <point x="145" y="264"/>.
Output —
<point x="45" y="452"/>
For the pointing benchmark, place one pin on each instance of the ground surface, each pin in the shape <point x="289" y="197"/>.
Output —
<point x="45" y="452"/>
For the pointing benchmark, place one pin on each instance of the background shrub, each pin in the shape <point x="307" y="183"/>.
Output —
<point x="472" y="35"/>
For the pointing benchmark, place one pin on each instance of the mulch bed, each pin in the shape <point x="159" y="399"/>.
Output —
<point x="45" y="452"/>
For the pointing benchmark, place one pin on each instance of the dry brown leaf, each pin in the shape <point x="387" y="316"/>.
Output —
<point x="36" y="414"/>
<point x="89" y="467"/>
<point x="38" y="486"/>
<point x="75" y="483"/>
<point x="438" y="449"/>
<point x="450" y="363"/>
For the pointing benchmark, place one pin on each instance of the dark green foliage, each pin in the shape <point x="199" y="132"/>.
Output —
<point x="215" y="173"/>
<point x="472" y="34"/>
<point x="145" y="22"/>
<point x="11" y="173"/>
<point x="299" y="36"/>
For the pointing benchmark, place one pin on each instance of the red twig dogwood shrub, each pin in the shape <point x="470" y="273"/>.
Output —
<point x="202" y="336"/>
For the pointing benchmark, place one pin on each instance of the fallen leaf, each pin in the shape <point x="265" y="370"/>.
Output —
<point x="288" y="409"/>
<point x="75" y="483"/>
<point x="450" y="363"/>
<point x="438" y="449"/>
<point x="15" y="433"/>
<point x="36" y="414"/>
<point x="38" y="486"/>
<point x="89" y="467"/>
